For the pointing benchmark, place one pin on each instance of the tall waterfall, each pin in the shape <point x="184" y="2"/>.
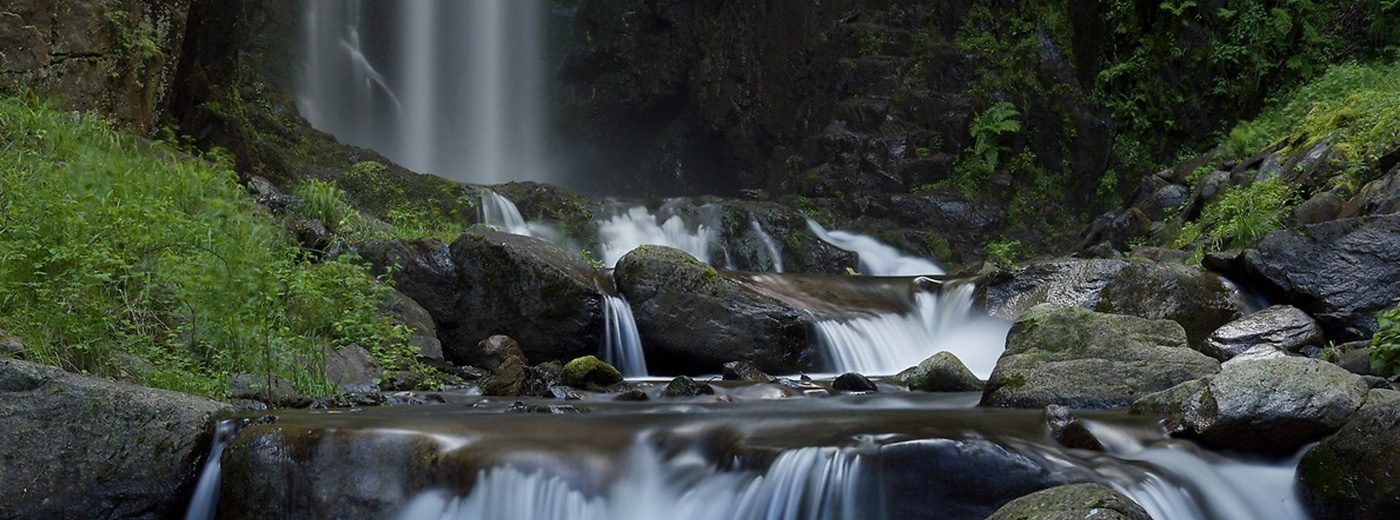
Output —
<point x="450" y="87"/>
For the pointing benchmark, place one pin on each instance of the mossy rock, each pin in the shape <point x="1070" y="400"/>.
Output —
<point x="590" y="372"/>
<point x="1352" y="473"/>
<point x="1072" y="502"/>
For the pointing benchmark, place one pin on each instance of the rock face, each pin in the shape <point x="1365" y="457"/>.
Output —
<point x="1269" y="405"/>
<point x="1072" y="502"/>
<point x="1341" y="272"/>
<point x="352" y="369"/>
<point x="942" y="372"/>
<point x="118" y="59"/>
<point x="1281" y="327"/>
<point x="1191" y="296"/>
<point x="693" y="320"/>
<point x="409" y="313"/>
<point x="1083" y="359"/>
<point x="528" y="289"/>
<point x="1352" y="474"/>
<point x="78" y="447"/>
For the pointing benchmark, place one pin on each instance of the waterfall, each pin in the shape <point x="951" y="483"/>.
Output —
<point x="804" y="483"/>
<point x="500" y="213"/>
<point x="775" y="255"/>
<point x="622" y="346"/>
<point x="206" y="493"/>
<point x="636" y="227"/>
<point x="876" y="258"/>
<point x="450" y="87"/>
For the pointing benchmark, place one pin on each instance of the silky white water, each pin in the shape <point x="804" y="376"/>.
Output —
<point x="501" y="214"/>
<point x="206" y="493"/>
<point x="635" y="227"/>
<point x="876" y="258"/>
<point x="451" y="87"/>
<point x="622" y="345"/>
<point x="775" y="255"/>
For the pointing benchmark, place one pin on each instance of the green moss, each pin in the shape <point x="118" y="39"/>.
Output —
<point x="590" y="372"/>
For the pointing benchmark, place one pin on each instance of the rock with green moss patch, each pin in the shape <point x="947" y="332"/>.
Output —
<point x="589" y="372"/>
<point x="942" y="372"/>
<point x="1072" y="502"/>
<point x="1084" y="359"/>
<point x="1274" y="405"/>
<point x="694" y="319"/>
<point x="1352" y="474"/>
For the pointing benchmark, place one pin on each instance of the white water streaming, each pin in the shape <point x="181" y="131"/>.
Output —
<point x="500" y="213"/>
<point x="636" y="227"/>
<point x="806" y="483"/>
<point x="775" y="255"/>
<point x="443" y="86"/>
<point x="206" y="493"/>
<point x="876" y="258"/>
<point x="622" y="345"/>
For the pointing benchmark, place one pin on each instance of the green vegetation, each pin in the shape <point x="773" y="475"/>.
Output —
<point x="1386" y="356"/>
<point x="127" y="259"/>
<point x="1238" y="217"/>
<point x="980" y="161"/>
<point x="1004" y="252"/>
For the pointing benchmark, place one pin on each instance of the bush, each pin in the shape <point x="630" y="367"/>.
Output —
<point x="1242" y="215"/>
<point x="126" y="259"/>
<point x="1358" y="106"/>
<point x="1385" y="358"/>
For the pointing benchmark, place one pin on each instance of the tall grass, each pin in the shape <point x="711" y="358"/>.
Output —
<point x="127" y="259"/>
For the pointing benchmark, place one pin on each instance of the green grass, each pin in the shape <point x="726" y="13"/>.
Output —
<point x="1385" y="358"/>
<point x="128" y="259"/>
<point x="1356" y="106"/>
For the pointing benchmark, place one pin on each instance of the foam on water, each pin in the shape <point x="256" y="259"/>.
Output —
<point x="636" y="227"/>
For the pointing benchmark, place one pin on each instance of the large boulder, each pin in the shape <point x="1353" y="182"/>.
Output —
<point x="1084" y="359"/>
<point x="1352" y="474"/>
<point x="79" y="447"/>
<point x="1341" y="272"/>
<point x="955" y="479"/>
<point x="422" y="270"/>
<point x="942" y="372"/>
<point x="693" y="319"/>
<point x="1274" y="405"/>
<point x="531" y="290"/>
<point x="1281" y="327"/>
<point x="407" y="312"/>
<point x="1195" y="298"/>
<point x="1072" y="502"/>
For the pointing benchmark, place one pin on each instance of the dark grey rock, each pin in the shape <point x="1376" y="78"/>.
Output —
<point x="1084" y="359"/>
<point x="1320" y="208"/>
<point x="1282" y="327"/>
<point x="79" y="447"/>
<point x="352" y="369"/>
<point x="744" y="371"/>
<point x="1072" y="502"/>
<point x="1267" y="405"/>
<point x="942" y="372"/>
<point x="1351" y="475"/>
<point x="508" y="379"/>
<point x="406" y="311"/>
<point x="1067" y="430"/>
<point x="684" y="386"/>
<point x="279" y="392"/>
<point x="492" y="352"/>
<point x="1193" y="297"/>
<point x="853" y="382"/>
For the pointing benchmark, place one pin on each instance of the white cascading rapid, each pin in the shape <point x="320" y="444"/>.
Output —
<point x="805" y="483"/>
<point x="775" y="254"/>
<point x="637" y="227"/>
<point x="206" y="492"/>
<point x="450" y="87"/>
<point x="500" y="213"/>
<point x="888" y="343"/>
<point x="622" y="345"/>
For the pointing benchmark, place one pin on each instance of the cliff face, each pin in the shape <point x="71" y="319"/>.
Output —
<point x="116" y="57"/>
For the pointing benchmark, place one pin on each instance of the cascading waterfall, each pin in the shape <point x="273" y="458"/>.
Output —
<point x="876" y="258"/>
<point x="637" y="227"/>
<point x="622" y="345"/>
<point x="206" y="492"/>
<point x="449" y="87"/>
<point x="500" y="213"/>
<point x="775" y="255"/>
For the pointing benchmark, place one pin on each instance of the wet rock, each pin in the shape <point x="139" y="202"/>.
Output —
<point x="421" y="269"/>
<point x="1084" y="359"/>
<point x="633" y="395"/>
<point x="744" y="371"/>
<point x="1166" y="200"/>
<point x="1356" y="358"/>
<point x="694" y="319"/>
<point x="1375" y="382"/>
<point x="1257" y="352"/>
<point x="1351" y="475"/>
<point x="1281" y="327"/>
<point x="957" y="479"/>
<point x="1007" y="294"/>
<point x="492" y="352"/>
<point x="1378" y="197"/>
<point x="1268" y="405"/>
<point x="509" y="379"/>
<point x="531" y="290"/>
<point x="684" y="386"/>
<point x="1340" y="272"/>
<point x="1206" y="190"/>
<point x="1067" y="430"/>
<point x="853" y="382"/>
<point x="589" y="372"/>
<point x="276" y="392"/>
<point x="1072" y="502"/>
<point x="564" y="393"/>
<point x="1320" y="208"/>
<point x="1188" y="295"/>
<point x="405" y="311"/>
<point x="942" y="372"/>
<point x="79" y="447"/>
<point x="541" y="378"/>
<point x="352" y="369"/>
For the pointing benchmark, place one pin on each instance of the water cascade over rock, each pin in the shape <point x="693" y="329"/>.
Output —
<point x="500" y="213"/>
<point x="635" y="227"/>
<point x="443" y="86"/>
<point x="622" y="345"/>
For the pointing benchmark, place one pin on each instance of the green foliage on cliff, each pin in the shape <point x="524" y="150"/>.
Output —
<point x="128" y="259"/>
<point x="983" y="157"/>
<point x="1386" y="356"/>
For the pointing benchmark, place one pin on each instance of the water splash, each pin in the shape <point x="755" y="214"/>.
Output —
<point x="500" y="213"/>
<point x="622" y="345"/>
<point x="450" y="87"/>
<point x="206" y="493"/>
<point x="636" y="227"/>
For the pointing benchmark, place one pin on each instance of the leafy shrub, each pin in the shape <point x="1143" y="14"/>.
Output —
<point x="1003" y="252"/>
<point x="987" y="129"/>
<point x="122" y="258"/>
<point x="1358" y="106"/>
<point x="1242" y="215"/>
<point x="1385" y="358"/>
